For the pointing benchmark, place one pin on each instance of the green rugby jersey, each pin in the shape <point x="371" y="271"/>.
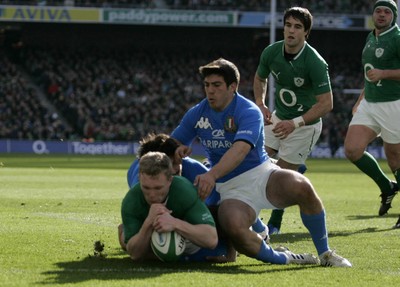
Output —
<point x="382" y="52"/>
<point x="298" y="81"/>
<point x="183" y="200"/>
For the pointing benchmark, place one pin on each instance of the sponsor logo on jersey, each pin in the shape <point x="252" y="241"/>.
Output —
<point x="218" y="134"/>
<point x="203" y="123"/>
<point x="276" y="75"/>
<point x="214" y="144"/>
<point x="379" y="52"/>
<point x="229" y="125"/>
<point x="298" y="81"/>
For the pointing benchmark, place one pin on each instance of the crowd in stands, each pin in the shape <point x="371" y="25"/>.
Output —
<point x="315" y="6"/>
<point x="122" y="95"/>
<point x="22" y="115"/>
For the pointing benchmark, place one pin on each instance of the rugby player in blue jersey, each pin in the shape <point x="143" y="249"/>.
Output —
<point x="231" y="129"/>
<point x="187" y="167"/>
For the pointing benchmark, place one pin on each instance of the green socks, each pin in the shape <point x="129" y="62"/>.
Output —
<point x="368" y="165"/>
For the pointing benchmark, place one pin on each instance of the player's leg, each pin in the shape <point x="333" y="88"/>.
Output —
<point x="286" y="188"/>
<point x="261" y="228"/>
<point x="275" y="221"/>
<point x="357" y="139"/>
<point x="397" y="225"/>
<point x="121" y="238"/>
<point x="392" y="152"/>
<point x="235" y="218"/>
<point x="293" y="152"/>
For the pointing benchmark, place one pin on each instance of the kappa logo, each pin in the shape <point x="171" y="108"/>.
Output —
<point x="203" y="123"/>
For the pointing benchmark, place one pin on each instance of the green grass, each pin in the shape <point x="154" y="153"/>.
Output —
<point x="53" y="209"/>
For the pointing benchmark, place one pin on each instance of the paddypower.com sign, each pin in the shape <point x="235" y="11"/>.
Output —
<point x="143" y="16"/>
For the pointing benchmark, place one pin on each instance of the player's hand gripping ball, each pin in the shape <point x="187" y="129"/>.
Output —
<point x="168" y="246"/>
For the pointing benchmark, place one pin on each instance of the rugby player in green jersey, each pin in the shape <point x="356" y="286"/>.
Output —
<point x="377" y="110"/>
<point x="164" y="202"/>
<point x="303" y="95"/>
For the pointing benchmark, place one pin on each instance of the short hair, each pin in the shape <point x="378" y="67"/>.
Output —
<point x="301" y="14"/>
<point x="155" y="163"/>
<point x="223" y="68"/>
<point x="158" y="142"/>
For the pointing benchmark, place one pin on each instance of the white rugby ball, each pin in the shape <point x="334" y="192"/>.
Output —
<point x="168" y="246"/>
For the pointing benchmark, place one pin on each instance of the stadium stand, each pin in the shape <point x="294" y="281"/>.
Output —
<point x="136" y="85"/>
<point x="22" y="115"/>
<point x="326" y="6"/>
<point x="114" y="96"/>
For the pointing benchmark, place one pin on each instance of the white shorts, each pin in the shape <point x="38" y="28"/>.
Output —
<point x="250" y="187"/>
<point x="383" y="118"/>
<point x="296" y="148"/>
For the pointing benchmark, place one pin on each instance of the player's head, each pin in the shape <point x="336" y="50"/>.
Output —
<point x="161" y="143"/>
<point x="155" y="176"/>
<point x="382" y="4"/>
<point x="223" y="68"/>
<point x="301" y="14"/>
<point x="157" y="142"/>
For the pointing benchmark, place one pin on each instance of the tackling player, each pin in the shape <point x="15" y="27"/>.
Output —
<point x="231" y="129"/>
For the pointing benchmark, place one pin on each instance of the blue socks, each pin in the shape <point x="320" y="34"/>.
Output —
<point x="258" y="226"/>
<point x="316" y="225"/>
<point x="268" y="255"/>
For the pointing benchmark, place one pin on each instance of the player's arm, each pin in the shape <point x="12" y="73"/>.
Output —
<point x="323" y="106"/>
<point x="260" y="94"/>
<point x="375" y="75"/>
<point x="203" y="235"/>
<point x="138" y="246"/>
<point x="228" y="162"/>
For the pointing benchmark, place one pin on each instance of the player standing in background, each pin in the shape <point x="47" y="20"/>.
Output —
<point x="303" y="95"/>
<point x="231" y="129"/>
<point x="377" y="110"/>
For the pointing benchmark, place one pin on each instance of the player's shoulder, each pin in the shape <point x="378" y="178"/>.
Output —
<point x="179" y="182"/>
<point x="182" y="190"/>
<point x="244" y="105"/>
<point x="198" y="109"/>
<point x="313" y="53"/>
<point x="274" y="48"/>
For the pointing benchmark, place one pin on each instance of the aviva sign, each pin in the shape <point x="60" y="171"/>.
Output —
<point x="49" y="14"/>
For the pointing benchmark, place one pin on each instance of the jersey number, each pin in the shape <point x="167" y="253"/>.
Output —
<point x="368" y="67"/>
<point x="292" y="97"/>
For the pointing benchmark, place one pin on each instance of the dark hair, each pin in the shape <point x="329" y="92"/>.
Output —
<point x="224" y="68"/>
<point x="301" y="14"/>
<point x="155" y="163"/>
<point x="158" y="142"/>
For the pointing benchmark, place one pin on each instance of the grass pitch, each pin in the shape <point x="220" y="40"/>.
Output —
<point x="54" y="208"/>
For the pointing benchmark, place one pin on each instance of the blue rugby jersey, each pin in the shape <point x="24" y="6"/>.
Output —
<point x="217" y="131"/>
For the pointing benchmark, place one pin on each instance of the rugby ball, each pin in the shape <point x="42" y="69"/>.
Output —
<point x="168" y="246"/>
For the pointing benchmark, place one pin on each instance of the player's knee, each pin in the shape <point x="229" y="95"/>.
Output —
<point x="352" y="152"/>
